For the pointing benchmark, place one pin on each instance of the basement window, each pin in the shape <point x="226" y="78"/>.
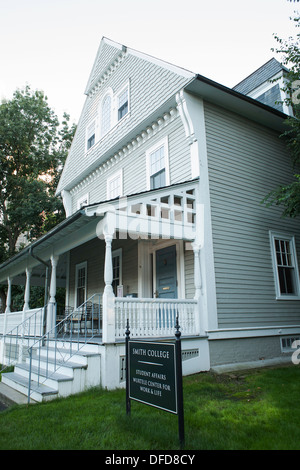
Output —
<point x="287" y="343"/>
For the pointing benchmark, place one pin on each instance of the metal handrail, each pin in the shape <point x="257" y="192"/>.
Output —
<point x="63" y="332"/>
<point x="28" y="330"/>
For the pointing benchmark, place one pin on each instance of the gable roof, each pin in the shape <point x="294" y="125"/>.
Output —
<point x="154" y="84"/>
<point x="260" y="76"/>
<point x="110" y="51"/>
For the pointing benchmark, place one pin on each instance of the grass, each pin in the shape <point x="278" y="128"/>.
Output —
<point x="250" y="410"/>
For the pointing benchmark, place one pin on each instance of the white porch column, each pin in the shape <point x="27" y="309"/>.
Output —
<point x="8" y="295"/>
<point x="8" y="303"/>
<point x="51" y="305"/>
<point x="108" y="327"/>
<point x="27" y="290"/>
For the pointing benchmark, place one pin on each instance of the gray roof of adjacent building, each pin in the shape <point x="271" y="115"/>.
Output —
<point x="260" y="76"/>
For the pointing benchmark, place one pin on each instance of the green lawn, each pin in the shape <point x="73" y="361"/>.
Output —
<point x="256" y="409"/>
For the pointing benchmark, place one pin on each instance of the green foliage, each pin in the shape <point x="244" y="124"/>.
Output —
<point x="33" y="148"/>
<point x="288" y="196"/>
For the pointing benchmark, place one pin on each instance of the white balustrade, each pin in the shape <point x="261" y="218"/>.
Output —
<point x="155" y="317"/>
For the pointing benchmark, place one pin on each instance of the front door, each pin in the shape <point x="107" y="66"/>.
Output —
<point x="166" y="273"/>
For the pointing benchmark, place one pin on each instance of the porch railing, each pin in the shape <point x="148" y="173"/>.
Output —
<point x="65" y="339"/>
<point x="155" y="317"/>
<point x="15" y="342"/>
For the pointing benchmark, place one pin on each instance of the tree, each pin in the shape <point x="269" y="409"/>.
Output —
<point x="33" y="148"/>
<point x="288" y="196"/>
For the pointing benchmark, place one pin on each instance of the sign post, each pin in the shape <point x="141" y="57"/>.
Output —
<point x="154" y="375"/>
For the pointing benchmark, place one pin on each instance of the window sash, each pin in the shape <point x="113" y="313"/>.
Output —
<point x="285" y="266"/>
<point x="81" y="282"/>
<point x="123" y="104"/>
<point x="91" y="135"/>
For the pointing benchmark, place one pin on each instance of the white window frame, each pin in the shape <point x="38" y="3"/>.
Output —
<point x="162" y="143"/>
<point x="83" y="201"/>
<point x="88" y="135"/>
<point x="118" y="94"/>
<point x="291" y="239"/>
<point x="79" y="266"/>
<point x="117" y="175"/>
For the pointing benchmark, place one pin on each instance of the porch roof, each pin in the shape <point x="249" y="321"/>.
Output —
<point x="81" y="226"/>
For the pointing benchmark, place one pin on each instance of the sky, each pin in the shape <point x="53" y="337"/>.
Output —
<point x="51" y="45"/>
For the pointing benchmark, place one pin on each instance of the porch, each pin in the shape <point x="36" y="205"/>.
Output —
<point x="81" y="254"/>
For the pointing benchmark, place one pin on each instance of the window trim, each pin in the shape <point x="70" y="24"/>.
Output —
<point x="87" y="133"/>
<point x="115" y="175"/>
<point x="291" y="239"/>
<point x="114" y="115"/>
<point x="77" y="268"/>
<point x="118" y="94"/>
<point x="161" y="143"/>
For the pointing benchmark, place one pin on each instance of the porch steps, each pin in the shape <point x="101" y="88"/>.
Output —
<point x="52" y="377"/>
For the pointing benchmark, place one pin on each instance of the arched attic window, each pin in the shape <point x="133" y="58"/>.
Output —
<point x="106" y="114"/>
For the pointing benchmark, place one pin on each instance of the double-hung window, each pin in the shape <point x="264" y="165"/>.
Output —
<point x="91" y="135"/>
<point x="285" y="266"/>
<point x="122" y="104"/>
<point x="158" y="165"/>
<point x="115" y="185"/>
<point x="80" y="280"/>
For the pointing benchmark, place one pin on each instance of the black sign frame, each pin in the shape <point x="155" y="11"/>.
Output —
<point x="152" y="374"/>
<point x="150" y="368"/>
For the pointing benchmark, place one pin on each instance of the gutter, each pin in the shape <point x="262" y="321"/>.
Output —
<point x="240" y="96"/>
<point x="29" y="248"/>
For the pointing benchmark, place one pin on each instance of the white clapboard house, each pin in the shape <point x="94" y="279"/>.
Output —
<point x="162" y="190"/>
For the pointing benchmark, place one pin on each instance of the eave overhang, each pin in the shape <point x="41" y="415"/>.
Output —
<point x="238" y="103"/>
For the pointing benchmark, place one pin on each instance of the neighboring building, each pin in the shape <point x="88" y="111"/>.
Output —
<point x="162" y="190"/>
<point x="267" y="85"/>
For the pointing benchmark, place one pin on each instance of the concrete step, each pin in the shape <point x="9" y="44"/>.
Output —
<point x="10" y="396"/>
<point x="52" y="379"/>
<point x="39" y="392"/>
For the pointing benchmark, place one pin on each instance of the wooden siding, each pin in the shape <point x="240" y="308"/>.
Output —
<point x="93" y="253"/>
<point x="134" y="166"/>
<point x="189" y="274"/>
<point x="246" y="161"/>
<point x="150" y="86"/>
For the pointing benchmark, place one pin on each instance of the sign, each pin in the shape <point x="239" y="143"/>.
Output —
<point x="152" y="374"/>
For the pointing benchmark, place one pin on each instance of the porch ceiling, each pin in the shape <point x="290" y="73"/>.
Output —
<point x="73" y="231"/>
